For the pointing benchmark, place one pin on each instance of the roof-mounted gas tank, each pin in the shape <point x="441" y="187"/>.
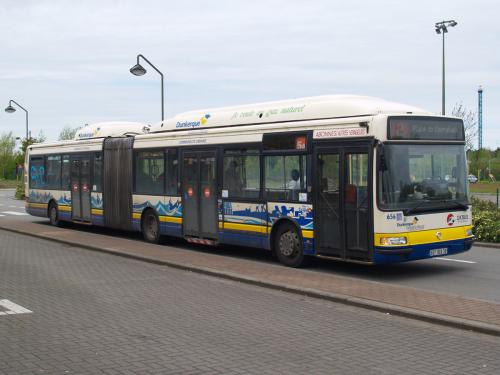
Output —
<point x="111" y="129"/>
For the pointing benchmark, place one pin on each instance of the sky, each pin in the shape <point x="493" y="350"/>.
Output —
<point x="68" y="62"/>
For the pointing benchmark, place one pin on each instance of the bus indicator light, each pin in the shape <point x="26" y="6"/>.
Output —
<point x="206" y="192"/>
<point x="190" y="191"/>
<point x="75" y="187"/>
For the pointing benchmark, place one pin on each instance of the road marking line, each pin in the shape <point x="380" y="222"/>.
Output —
<point x="14" y="213"/>
<point x="1" y="215"/>
<point x="12" y="308"/>
<point x="456" y="260"/>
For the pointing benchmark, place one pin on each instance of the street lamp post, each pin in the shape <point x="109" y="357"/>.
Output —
<point x="442" y="28"/>
<point x="11" y="109"/>
<point x="138" y="70"/>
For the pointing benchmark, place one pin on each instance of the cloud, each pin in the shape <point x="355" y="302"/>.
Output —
<point x="68" y="61"/>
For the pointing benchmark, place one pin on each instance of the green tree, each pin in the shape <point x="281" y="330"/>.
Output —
<point x="7" y="154"/>
<point x="68" y="133"/>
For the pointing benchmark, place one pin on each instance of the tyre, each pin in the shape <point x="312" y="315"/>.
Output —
<point x="151" y="227"/>
<point x="54" y="215"/>
<point x="288" y="246"/>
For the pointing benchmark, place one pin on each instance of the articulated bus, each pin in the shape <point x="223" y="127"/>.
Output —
<point x="350" y="178"/>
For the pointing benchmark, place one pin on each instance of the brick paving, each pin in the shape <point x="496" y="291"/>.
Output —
<point x="211" y="259"/>
<point x="98" y="313"/>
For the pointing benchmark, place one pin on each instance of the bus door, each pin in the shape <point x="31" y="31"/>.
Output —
<point x="80" y="187"/>
<point x="199" y="195"/>
<point x="342" y="224"/>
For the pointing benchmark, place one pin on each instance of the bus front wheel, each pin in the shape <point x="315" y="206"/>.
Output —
<point x="288" y="246"/>
<point x="151" y="227"/>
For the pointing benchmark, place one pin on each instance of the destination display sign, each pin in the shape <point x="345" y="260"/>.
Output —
<point x="430" y="129"/>
<point x="339" y="133"/>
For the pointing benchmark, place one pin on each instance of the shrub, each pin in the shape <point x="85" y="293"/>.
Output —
<point x="20" y="190"/>
<point x="486" y="220"/>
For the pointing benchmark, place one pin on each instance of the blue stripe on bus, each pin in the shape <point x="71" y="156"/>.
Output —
<point x="419" y="251"/>
<point x="243" y="239"/>
<point x="37" y="211"/>
<point x="166" y="228"/>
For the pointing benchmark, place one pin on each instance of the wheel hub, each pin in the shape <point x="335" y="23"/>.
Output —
<point x="288" y="243"/>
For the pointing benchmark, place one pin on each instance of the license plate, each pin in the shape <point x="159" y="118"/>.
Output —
<point x="438" y="252"/>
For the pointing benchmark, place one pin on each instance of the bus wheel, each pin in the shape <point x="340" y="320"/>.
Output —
<point x="288" y="246"/>
<point x="151" y="227"/>
<point x="54" y="215"/>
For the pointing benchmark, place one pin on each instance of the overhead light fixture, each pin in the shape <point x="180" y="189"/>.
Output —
<point x="10" y="109"/>
<point x="138" y="70"/>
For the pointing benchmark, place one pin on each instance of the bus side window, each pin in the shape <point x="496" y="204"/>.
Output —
<point x="241" y="176"/>
<point x="172" y="173"/>
<point x="285" y="177"/>
<point x="149" y="172"/>
<point x="53" y="180"/>
<point x="37" y="173"/>
<point x="65" y="173"/>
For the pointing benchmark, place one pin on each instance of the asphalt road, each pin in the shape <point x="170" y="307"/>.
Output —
<point x="66" y="310"/>
<point x="473" y="274"/>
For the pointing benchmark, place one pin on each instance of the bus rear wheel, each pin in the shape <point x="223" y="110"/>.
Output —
<point x="288" y="246"/>
<point x="54" y="215"/>
<point x="151" y="227"/>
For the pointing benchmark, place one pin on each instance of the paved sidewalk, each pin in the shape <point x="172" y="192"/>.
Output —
<point x="478" y="315"/>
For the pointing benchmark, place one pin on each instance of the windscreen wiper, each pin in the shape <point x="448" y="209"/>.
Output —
<point x="457" y="204"/>
<point x="410" y="210"/>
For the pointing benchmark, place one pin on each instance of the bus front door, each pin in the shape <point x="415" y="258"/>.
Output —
<point x="342" y="225"/>
<point x="80" y="188"/>
<point x="199" y="195"/>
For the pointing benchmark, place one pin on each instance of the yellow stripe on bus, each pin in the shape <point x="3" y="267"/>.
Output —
<point x="306" y="233"/>
<point x="165" y="219"/>
<point x="97" y="211"/>
<point x="171" y="219"/>
<point x="427" y="236"/>
<point x="65" y="208"/>
<point x="246" y="227"/>
<point x="38" y="205"/>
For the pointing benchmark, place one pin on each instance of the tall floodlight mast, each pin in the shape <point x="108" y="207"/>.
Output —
<point x="480" y="116"/>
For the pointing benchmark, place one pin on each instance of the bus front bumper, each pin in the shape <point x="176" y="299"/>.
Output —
<point x="424" y="251"/>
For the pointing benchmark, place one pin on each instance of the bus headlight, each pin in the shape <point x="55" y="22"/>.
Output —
<point x="468" y="232"/>
<point x="392" y="241"/>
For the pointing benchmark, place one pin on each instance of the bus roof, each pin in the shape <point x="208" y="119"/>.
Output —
<point x="318" y="107"/>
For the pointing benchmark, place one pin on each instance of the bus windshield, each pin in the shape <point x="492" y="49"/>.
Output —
<point x="417" y="177"/>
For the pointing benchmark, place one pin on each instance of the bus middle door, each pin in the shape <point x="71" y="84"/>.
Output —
<point x="80" y="188"/>
<point x="199" y="195"/>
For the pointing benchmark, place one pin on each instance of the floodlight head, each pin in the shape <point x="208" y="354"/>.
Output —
<point x="10" y="109"/>
<point x="453" y="23"/>
<point x="138" y="70"/>
<point x="445" y="29"/>
<point x="438" y="30"/>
